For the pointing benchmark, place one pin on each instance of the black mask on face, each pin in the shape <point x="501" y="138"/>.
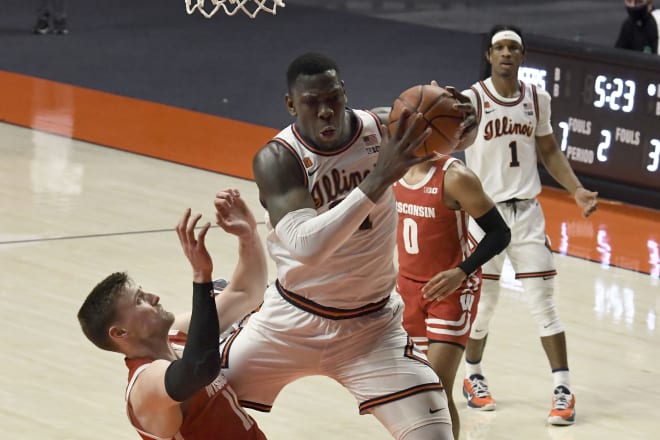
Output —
<point x="637" y="13"/>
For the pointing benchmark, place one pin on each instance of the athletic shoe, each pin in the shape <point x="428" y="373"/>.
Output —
<point x="43" y="25"/>
<point x="59" y="26"/>
<point x="475" y="390"/>
<point x="563" y="407"/>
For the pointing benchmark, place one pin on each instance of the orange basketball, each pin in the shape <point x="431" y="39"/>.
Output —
<point x="436" y="106"/>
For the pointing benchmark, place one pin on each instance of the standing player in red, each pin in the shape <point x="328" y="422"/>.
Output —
<point x="439" y="278"/>
<point x="177" y="393"/>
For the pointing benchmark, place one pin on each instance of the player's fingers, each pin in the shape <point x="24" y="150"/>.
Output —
<point x="190" y="230"/>
<point x="201" y="237"/>
<point x="456" y="94"/>
<point x="403" y="123"/>
<point x="384" y="134"/>
<point x="182" y="224"/>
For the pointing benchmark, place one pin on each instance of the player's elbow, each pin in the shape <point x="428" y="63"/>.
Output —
<point x="207" y="372"/>
<point x="184" y="377"/>
<point x="502" y="238"/>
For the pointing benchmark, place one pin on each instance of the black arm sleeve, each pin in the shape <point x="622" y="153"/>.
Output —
<point x="200" y="363"/>
<point x="498" y="236"/>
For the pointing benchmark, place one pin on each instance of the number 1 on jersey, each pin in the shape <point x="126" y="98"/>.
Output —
<point x="514" y="154"/>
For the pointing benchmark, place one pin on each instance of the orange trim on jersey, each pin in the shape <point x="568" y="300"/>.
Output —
<point x="489" y="276"/>
<point x="505" y="104"/>
<point x="286" y="145"/>
<point x="369" y="404"/>
<point x="379" y="121"/>
<point x="255" y="406"/>
<point x="315" y="150"/>
<point x="535" y="98"/>
<point x="473" y="241"/>
<point x="224" y="356"/>
<point x="547" y="273"/>
<point x="409" y="352"/>
<point x="328" y="312"/>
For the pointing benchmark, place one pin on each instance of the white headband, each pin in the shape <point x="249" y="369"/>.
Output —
<point x="506" y="35"/>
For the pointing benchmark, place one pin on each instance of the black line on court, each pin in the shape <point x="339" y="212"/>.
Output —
<point x="109" y="234"/>
<point x="152" y="231"/>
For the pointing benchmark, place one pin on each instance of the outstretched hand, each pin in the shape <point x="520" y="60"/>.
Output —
<point x="194" y="247"/>
<point x="232" y="214"/>
<point x="586" y="200"/>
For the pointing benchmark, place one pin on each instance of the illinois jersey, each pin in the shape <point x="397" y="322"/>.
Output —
<point x="503" y="154"/>
<point x="213" y="413"/>
<point x="361" y="271"/>
<point x="432" y="238"/>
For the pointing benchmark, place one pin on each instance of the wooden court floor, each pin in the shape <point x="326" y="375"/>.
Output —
<point x="73" y="212"/>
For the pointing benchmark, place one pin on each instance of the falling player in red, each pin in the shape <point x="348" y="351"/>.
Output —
<point x="439" y="278"/>
<point x="177" y="393"/>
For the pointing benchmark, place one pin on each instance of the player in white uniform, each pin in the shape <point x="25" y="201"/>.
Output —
<point x="514" y="130"/>
<point x="326" y="184"/>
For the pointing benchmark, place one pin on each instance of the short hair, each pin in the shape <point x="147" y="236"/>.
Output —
<point x="99" y="311"/>
<point x="504" y="27"/>
<point x="309" y="63"/>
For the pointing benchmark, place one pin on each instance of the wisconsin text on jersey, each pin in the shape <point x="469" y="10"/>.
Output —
<point x="415" y="210"/>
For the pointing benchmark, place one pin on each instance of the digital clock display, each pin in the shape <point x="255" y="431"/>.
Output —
<point x="605" y="108"/>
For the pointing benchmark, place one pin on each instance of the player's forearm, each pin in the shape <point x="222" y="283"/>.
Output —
<point x="560" y="170"/>
<point x="199" y="364"/>
<point x="497" y="238"/>
<point x="466" y="141"/>
<point x="311" y="238"/>
<point x="251" y="272"/>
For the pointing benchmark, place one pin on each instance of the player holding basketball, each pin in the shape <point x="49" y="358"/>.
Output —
<point x="514" y="130"/>
<point x="325" y="181"/>
<point x="175" y="393"/>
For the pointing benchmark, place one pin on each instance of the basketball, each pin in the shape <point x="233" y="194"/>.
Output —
<point x="436" y="106"/>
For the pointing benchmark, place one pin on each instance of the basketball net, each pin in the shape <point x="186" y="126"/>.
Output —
<point x="249" y="7"/>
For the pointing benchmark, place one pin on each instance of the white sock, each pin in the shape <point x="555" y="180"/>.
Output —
<point x="471" y="369"/>
<point x="561" y="377"/>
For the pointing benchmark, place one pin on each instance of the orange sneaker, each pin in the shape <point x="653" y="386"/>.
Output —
<point x="563" y="407"/>
<point x="475" y="390"/>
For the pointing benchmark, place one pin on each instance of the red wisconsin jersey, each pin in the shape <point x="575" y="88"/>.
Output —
<point x="430" y="237"/>
<point x="213" y="413"/>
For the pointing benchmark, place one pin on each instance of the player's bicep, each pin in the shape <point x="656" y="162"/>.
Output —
<point x="463" y="186"/>
<point x="233" y="305"/>
<point x="546" y="146"/>
<point x="281" y="182"/>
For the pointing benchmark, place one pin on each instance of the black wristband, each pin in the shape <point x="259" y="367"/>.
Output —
<point x="498" y="236"/>
<point x="200" y="363"/>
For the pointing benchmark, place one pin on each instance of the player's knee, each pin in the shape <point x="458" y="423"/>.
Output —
<point x="485" y="309"/>
<point x="422" y="416"/>
<point x="430" y="432"/>
<point x="540" y="296"/>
